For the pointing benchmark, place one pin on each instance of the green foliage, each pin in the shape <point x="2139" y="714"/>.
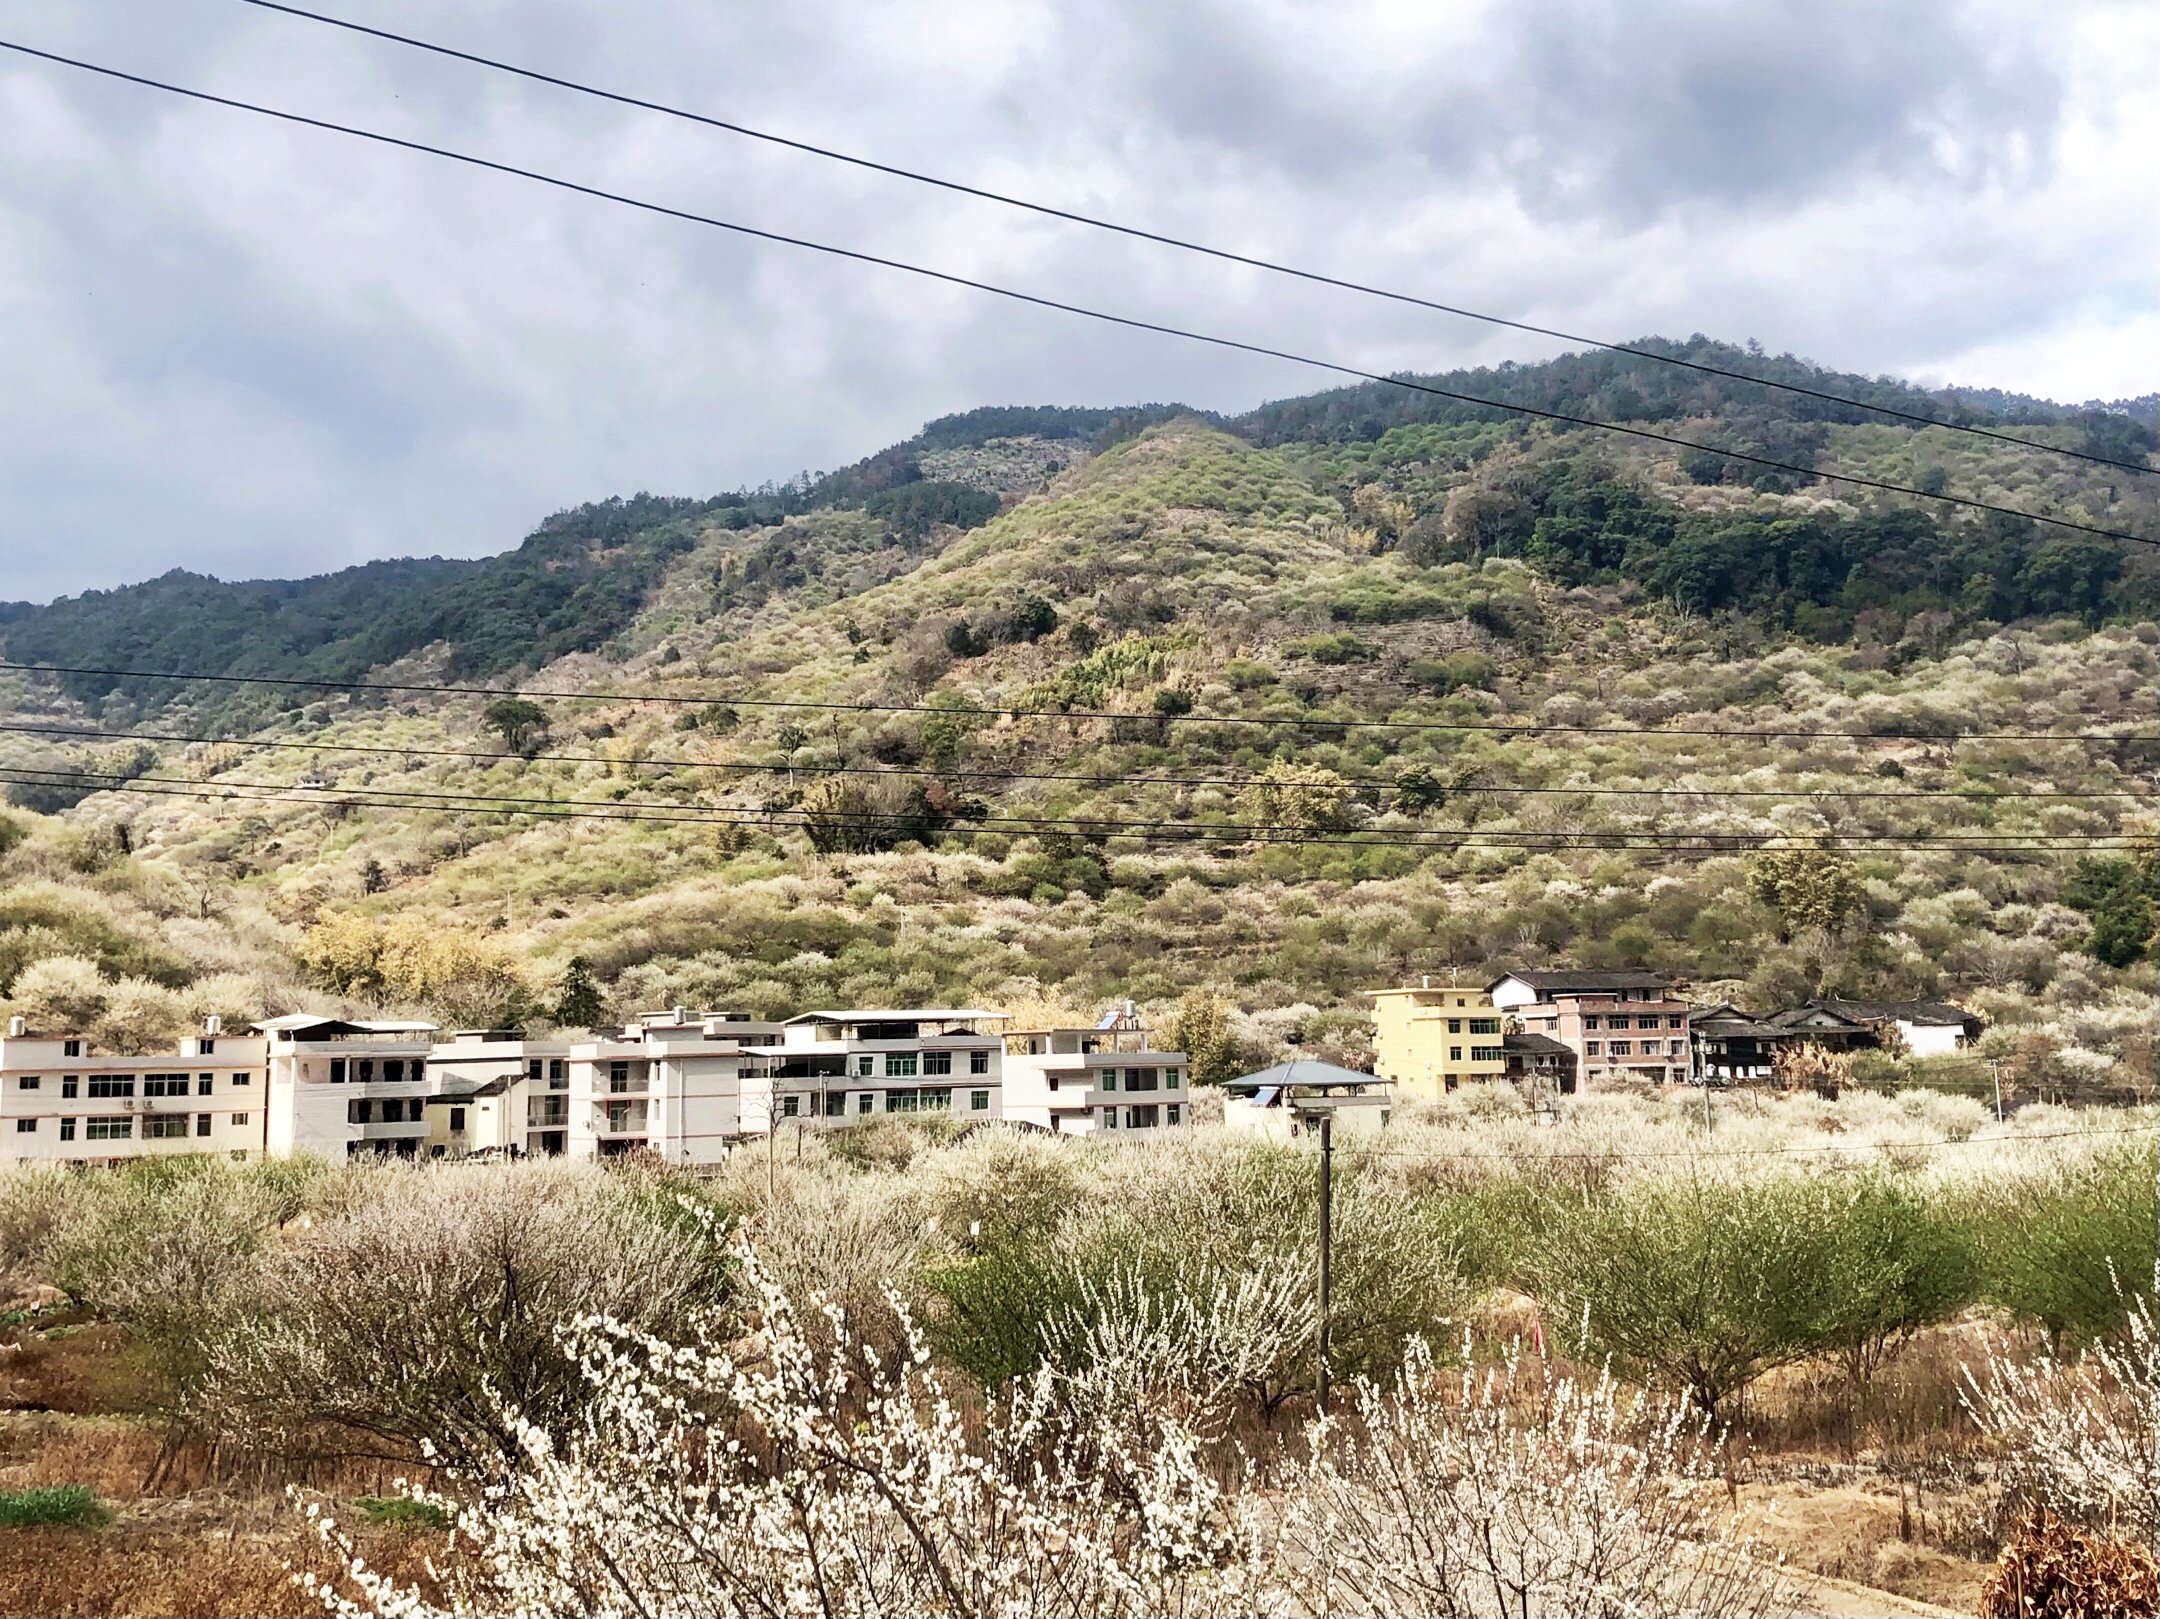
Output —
<point x="1901" y="1261"/>
<point x="1807" y="887"/>
<point x="69" y="1506"/>
<point x="1201" y="1029"/>
<point x="1703" y="1284"/>
<point x="519" y="721"/>
<point x="1443" y="676"/>
<point x="577" y="1002"/>
<point x="1246" y="675"/>
<point x="401" y="1512"/>
<point x="1340" y="647"/>
<point x="913" y="509"/>
<point x="2122" y="896"/>
<point x="2072" y="1252"/>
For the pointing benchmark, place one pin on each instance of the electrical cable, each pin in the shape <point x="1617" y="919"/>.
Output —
<point x="1093" y="828"/>
<point x="1180" y="243"/>
<point x="1036" y="300"/>
<point x="1312" y="721"/>
<point x="965" y="774"/>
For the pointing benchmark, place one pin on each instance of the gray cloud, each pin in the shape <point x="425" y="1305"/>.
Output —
<point x="251" y="350"/>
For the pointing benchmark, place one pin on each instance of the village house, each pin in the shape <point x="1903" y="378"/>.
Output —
<point x="63" y="1101"/>
<point x="1622" y="1026"/>
<point x="345" y="1088"/>
<point x="1540" y="1066"/>
<point x="1911" y="1028"/>
<point x="1107" y="1079"/>
<point x="1428" y="1040"/>
<point x="1291" y="1098"/>
<point x="1734" y="1047"/>
<point x="848" y="1067"/>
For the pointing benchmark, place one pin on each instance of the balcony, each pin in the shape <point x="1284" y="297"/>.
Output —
<point x="619" y="1118"/>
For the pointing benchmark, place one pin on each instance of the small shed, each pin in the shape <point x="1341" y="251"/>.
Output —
<point x="1292" y="1098"/>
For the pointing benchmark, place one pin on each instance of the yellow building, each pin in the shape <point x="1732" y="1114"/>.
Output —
<point x="1430" y="1039"/>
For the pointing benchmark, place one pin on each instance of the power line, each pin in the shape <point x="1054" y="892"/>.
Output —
<point x="1129" y="322"/>
<point x="1091" y="828"/>
<point x="1312" y="721"/>
<point x="1180" y="243"/>
<point x="962" y="773"/>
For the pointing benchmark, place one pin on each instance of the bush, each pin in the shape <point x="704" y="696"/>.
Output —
<point x="402" y="1512"/>
<point x="2054" y="1571"/>
<point x="2073" y="1251"/>
<point x="73" y="1506"/>
<point x="1703" y="1284"/>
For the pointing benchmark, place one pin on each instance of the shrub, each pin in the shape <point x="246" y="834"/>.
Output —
<point x="2054" y="1571"/>
<point x="2074" y="1250"/>
<point x="1490" y="1495"/>
<point x="406" y="1320"/>
<point x="73" y="1506"/>
<point x="402" y="1512"/>
<point x="1897" y="1262"/>
<point x="1704" y="1284"/>
<point x="1341" y="647"/>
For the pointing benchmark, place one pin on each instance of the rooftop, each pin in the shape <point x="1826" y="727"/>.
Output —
<point x="907" y="1014"/>
<point x="1546" y="983"/>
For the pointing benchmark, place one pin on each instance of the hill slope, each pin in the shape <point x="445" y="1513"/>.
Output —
<point x="1311" y="630"/>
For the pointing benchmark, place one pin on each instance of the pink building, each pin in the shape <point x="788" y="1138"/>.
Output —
<point x="1620" y="1025"/>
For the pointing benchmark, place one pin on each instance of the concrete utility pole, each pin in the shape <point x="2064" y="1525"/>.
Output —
<point x="1996" y="1069"/>
<point x="1327" y="1238"/>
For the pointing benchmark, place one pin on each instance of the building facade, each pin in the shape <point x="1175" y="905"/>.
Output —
<point x="1622" y="1026"/>
<point x="840" y="1068"/>
<point x="1108" y="1080"/>
<point x="63" y="1101"/>
<point x="1427" y="1041"/>
<point x="344" y="1089"/>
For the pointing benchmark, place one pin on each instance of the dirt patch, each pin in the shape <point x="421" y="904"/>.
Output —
<point x="1865" y="1535"/>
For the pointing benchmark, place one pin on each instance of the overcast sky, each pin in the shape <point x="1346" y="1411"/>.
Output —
<point x="248" y="349"/>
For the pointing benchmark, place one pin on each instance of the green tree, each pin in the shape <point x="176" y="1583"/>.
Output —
<point x="519" y="721"/>
<point x="1201" y="1029"/>
<point x="2123" y="899"/>
<point x="577" y="1001"/>
<point x="1809" y="887"/>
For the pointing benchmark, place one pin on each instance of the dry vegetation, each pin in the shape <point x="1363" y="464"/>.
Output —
<point x="1125" y="1338"/>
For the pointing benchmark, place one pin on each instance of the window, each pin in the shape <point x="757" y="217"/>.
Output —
<point x="1109" y="1118"/>
<point x="558" y="1071"/>
<point x="835" y="1104"/>
<point x="1623" y="1048"/>
<point x="1673" y="1020"/>
<point x="394" y="1071"/>
<point x="618" y="1076"/>
<point x="206" y="1048"/>
<point x="457" y="1120"/>
<point x="364" y="1071"/>
<point x="25" y="1127"/>
<point x="931" y="1099"/>
<point x="1484" y="1025"/>
<point x="204" y="1083"/>
<point x="1590" y="1048"/>
<point x="337" y="1070"/>
<point x="866" y="1064"/>
<point x="867" y="1100"/>
<point x="239" y="1121"/>
<point x="978" y="1101"/>
<point x="165" y="1085"/>
<point x="533" y="1070"/>
<point x="899" y="1065"/>
<point x="29" y="1082"/>
<point x="1109" y="1079"/>
<point x="71" y="1048"/>
<point x="1139" y="1079"/>
<point x="1169" y="1079"/>
<point x="1454" y="1025"/>
<point x="1170" y="1114"/>
<point x="202" y="1124"/>
<point x="978" y="1062"/>
<point x="1488" y="1054"/>
<point x="69" y="1085"/>
<point x="1672" y="1048"/>
<point x="937" y="1062"/>
<point x="1454" y="1053"/>
<point x="359" y="1110"/>
<point x="164" y="1126"/>
<point x="788" y="1105"/>
<point x="240" y="1079"/>
<point x="112" y="1085"/>
<point x="67" y="1129"/>
<point x="419" y="1071"/>
<point x="1590" y="1022"/>
<point x="1142" y="1118"/>
<point x="106" y="1130"/>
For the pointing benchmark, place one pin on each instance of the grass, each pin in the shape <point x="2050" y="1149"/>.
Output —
<point x="402" y="1512"/>
<point x="71" y="1506"/>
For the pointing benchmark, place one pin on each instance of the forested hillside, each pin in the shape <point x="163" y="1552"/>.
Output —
<point x="1054" y="704"/>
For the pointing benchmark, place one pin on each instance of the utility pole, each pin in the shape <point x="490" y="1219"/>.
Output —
<point x="1327" y="1237"/>
<point x="1996" y="1068"/>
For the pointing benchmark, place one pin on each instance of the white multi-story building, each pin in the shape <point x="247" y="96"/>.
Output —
<point x="342" y="1089"/>
<point x="682" y="1084"/>
<point x="1106" y="1079"/>
<point x="63" y="1101"/>
<point x="848" y="1067"/>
